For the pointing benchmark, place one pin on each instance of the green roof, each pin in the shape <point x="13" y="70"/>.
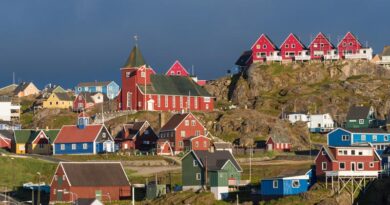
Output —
<point x="135" y="59"/>
<point x="174" y="85"/>
<point x="27" y="136"/>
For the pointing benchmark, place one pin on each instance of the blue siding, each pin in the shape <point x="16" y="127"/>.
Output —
<point x="111" y="90"/>
<point x="79" y="148"/>
<point x="380" y="138"/>
<point x="267" y="187"/>
<point x="285" y="185"/>
<point x="99" y="148"/>
<point x="289" y="190"/>
<point x="335" y="138"/>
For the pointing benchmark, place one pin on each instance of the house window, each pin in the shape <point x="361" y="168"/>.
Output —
<point x="196" y="102"/>
<point x="54" y="191"/>
<point x="205" y="144"/>
<point x="286" y="46"/>
<point x="195" y="163"/>
<point x="322" y="45"/>
<point x="73" y="146"/>
<point x="166" y="101"/>
<point x="352" y="152"/>
<point x="104" y="135"/>
<point x="196" y="144"/>
<point x="158" y="100"/>
<point x="342" y="165"/>
<point x="360" y="165"/>
<point x="143" y="74"/>
<point x="187" y="122"/>
<point x="207" y="106"/>
<point x="340" y="152"/>
<point x="197" y="133"/>
<point x="258" y="46"/>
<point x="180" y="143"/>
<point x="374" y="138"/>
<point x="275" y="184"/>
<point x="173" y="101"/>
<point x="345" y="137"/>
<point x="361" y="121"/>
<point x="350" y="43"/>
<point x="324" y="166"/>
<point x="62" y="146"/>
<point x="178" y="72"/>
<point x="41" y="146"/>
<point x="363" y="138"/>
<point x="345" y="152"/>
<point x="85" y="146"/>
<point x="127" y="74"/>
<point x="193" y="122"/>
<point x="183" y="133"/>
<point x="360" y="153"/>
<point x="181" y="101"/>
<point x="371" y="164"/>
<point x="265" y="46"/>
<point x="295" y="183"/>
<point x="129" y="97"/>
<point x="198" y="176"/>
<point x="386" y="138"/>
<point x="55" y="177"/>
<point x="292" y="45"/>
<point x="315" y="45"/>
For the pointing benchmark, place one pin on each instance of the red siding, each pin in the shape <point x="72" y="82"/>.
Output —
<point x="199" y="143"/>
<point x="5" y="143"/>
<point x="291" y="45"/>
<point x="80" y="100"/>
<point x="278" y="146"/>
<point x="349" y="44"/>
<point x="262" y="45"/>
<point x="318" y="45"/>
<point x="177" y="69"/>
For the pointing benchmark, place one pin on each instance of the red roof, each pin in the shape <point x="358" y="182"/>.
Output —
<point x="73" y="134"/>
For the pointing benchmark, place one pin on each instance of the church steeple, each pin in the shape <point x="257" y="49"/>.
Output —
<point x="135" y="59"/>
<point x="82" y="120"/>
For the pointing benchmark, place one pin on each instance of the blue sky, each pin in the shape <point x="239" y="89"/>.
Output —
<point x="65" y="42"/>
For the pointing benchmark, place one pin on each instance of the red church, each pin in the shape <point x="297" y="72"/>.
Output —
<point x="293" y="49"/>
<point x="320" y="46"/>
<point x="265" y="50"/>
<point x="143" y="89"/>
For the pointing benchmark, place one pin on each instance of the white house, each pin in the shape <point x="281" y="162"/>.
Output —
<point x="320" y="123"/>
<point x="8" y="110"/>
<point x="297" y="117"/>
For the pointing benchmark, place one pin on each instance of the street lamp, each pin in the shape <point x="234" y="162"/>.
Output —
<point x="39" y="189"/>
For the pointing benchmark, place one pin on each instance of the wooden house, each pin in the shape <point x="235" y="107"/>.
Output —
<point x="180" y="127"/>
<point x="110" y="88"/>
<point x="164" y="147"/>
<point x="361" y="117"/>
<point x="265" y="50"/>
<point x="105" y="181"/>
<point x="58" y="100"/>
<point x="218" y="170"/>
<point x="378" y="137"/>
<point x="87" y="100"/>
<point x="288" y="182"/>
<point x="143" y="89"/>
<point x="6" y="138"/>
<point x="320" y="123"/>
<point x="136" y="136"/>
<point x="83" y="138"/>
<point x="9" y="110"/>
<point x="177" y="69"/>
<point x="36" y="141"/>
<point x="320" y="47"/>
<point x="350" y="48"/>
<point x="292" y="49"/>
<point x="197" y="143"/>
<point x="361" y="160"/>
<point x="26" y="89"/>
<point x="278" y="143"/>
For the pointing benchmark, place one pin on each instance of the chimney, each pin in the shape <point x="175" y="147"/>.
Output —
<point x="37" y="128"/>
<point x="47" y="128"/>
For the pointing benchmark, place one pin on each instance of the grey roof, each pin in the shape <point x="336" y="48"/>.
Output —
<point x="7" y="133"/>
<point x="292" y="172"/>
<point x="86" y="84"/>
<point x="244" y="58"/>
<point x="366" y="130"/>
<point x="330" y="153"/>
<point x="64" y="96"/>
<point x="174" y="121"/>
<point x="280" y="139"/>
<point x="21" y="87"/>
<point x="358" y="112"/>
<point x="216" y="159"/>
<point x="88" y="96"/>
<point x="132" y="128"/>
<point x="386" y="51"/>
<point x="95" y="174"/>
<point x="222" y="145"/>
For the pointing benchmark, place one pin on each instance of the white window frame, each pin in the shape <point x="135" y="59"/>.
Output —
<point x="295" y="181"/>
<point x="193" y="122"/>
<point x="372" y="164"/>
<point x="85" y="146"/>
<point x="198" y="176"/>
<point x="363" y="138"/>
<point x="275" y="184"/>
<point x="361" y="121"/>
<point x="374" y="138"/>
<point x="344" y="137"/>
<point x="143" y="74"/>
<point x="385" y="138"/>
<point x="186" y="122"/>
<point x="197" y="144"/>
<point x="74" y="146"/>
<point x="324" y="166"/>
<point x="173" y="101"/>
<point x="62" y="146"/>
<point x="181" y="101"/>
<point x="183" y="133"/>
<point x="265" y="46"/>
<point x="166" y="101"/>
<point x="340" y="165"/>
<point x="158" y="100"/>
<point x="360" y="163"/>
<point x="195" y="163"/>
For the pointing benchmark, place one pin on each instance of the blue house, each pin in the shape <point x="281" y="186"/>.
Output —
<point x="343" y="137"/>
<point x="83" y="138"/>
<point x="386" y="160"/>
<point x="110" y="88"/>
<point x="289" y="182"/>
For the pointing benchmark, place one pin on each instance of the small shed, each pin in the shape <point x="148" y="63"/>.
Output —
<point x="278" y="143"/>
<point x="154" y="191"/>
<point x="289" y="182"/>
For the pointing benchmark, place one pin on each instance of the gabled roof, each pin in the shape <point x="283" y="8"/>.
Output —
<point x="177" y="63"/>
<point x="173" y="85"/>
<point x="366" y="130"/>
<point x="358" y="112"/>
<point x="222" y="145"/>
<point x="9" y="134"/>
<point x="27" y="136"/>
<point x="386" y="51"/>
<point x="95" y="174"/>
<point x="21" y="87"/>
<point x="9" y="89"/>
<point x="88" y="96"/>
<point x="133" y="129"/>
<point x="135" y="59"/>
<point x="87" y="84"/>
<point x="349" y="33"/>
<point x="296" y="38"/>
<point x="174" y="121"/>
<point x="63" y="96"/>
<point x="216" y="160"/>
<point x="324" y="36"/>
<point x="267" y="38"/>
<point x="293" y="172"/>
<point x="244" y="58"/>
<point x="280" y="139"/>
<point x="73" y="134"/>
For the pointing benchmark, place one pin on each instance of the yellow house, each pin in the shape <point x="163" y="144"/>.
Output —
<point x="33" y="141"/>
<point x="59" y="100"/>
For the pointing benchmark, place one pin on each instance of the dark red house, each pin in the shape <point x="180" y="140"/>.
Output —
<point x="278" y="143"/>
<point x="164" y="147"/>
<point x="349" y="44"/>
<point x="197" y="143"/>
<point x="5" y="139"/>
<point x="105" y="181"/>
<point x="264" y="49"/>
<point x="292" y="48"/>
<point x="177" y="69"/>
<point x="136" y="136"/>
<point x="179" y="128"/>
<point x="320" y="46"/>
<point x="143" y="89"/>
<point x="360" y="160"/>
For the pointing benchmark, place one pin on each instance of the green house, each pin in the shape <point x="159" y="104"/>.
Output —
<point x="361" y="117"/>
<point x="217" y="170"/>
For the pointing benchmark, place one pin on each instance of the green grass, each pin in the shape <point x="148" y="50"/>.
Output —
<point x="14" y="172"/>
<point x="318" y="138"/>
<point x="26" y="119"/>
<point x="108" y="157"/>
<point x="230" y="136"/>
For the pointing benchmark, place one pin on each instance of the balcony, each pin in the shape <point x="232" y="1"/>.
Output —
<point x="331" y="57"/>
<point x="358" y="56"/>
<point x="302" y="58"/>
<point x="274" y="58"/>
<point x="352" y="173"/>
<point x="234" y="182"/>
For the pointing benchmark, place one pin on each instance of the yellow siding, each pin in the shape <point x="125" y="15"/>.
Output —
<point x="20" y="149"/>
<point x="54" y="102"/>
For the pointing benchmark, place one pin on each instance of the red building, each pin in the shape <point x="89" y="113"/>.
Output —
<point x="105" y="181"/>
<point x="278" y="143"/>
<point x="136" y="136"/>
<point x="197" y="143"/>
<point x="360" y="160"/>
<point x="5" y="139"/>
<point x="179" y="128"/>
<point x="143" y="89"/>
<point x="264" y="50"/>
<point x="177" y="69"/>
<point x="87" y="100"/>
<point x="349" y="44"/>
<point x="320" y="46"/>
<point x="164" y="147"/>
<point x="293" y="49"/>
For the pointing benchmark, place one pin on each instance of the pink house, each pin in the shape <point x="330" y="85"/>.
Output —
<point x="293" y="49"/>
<point x="320" y="46"/>
<point x="177" y="69"/>
<point x="264" y="50"/>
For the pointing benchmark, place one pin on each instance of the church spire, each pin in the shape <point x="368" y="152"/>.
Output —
<point x="135" y="58"/>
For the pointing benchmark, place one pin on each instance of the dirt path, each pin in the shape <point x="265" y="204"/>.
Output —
<point x="279" y="162"/>
<point x="145" y="171"/>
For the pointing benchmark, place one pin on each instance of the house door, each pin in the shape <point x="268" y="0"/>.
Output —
<point x="269" y="147"/>
<point x="151" y="104"/>
<point x="108" y="146"/>
<point x="59" y="195"/>
<point x="353" y="166"/>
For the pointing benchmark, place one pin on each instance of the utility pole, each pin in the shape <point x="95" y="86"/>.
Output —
<point x="250" y="163"/>
<point x="39" y="189"/>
